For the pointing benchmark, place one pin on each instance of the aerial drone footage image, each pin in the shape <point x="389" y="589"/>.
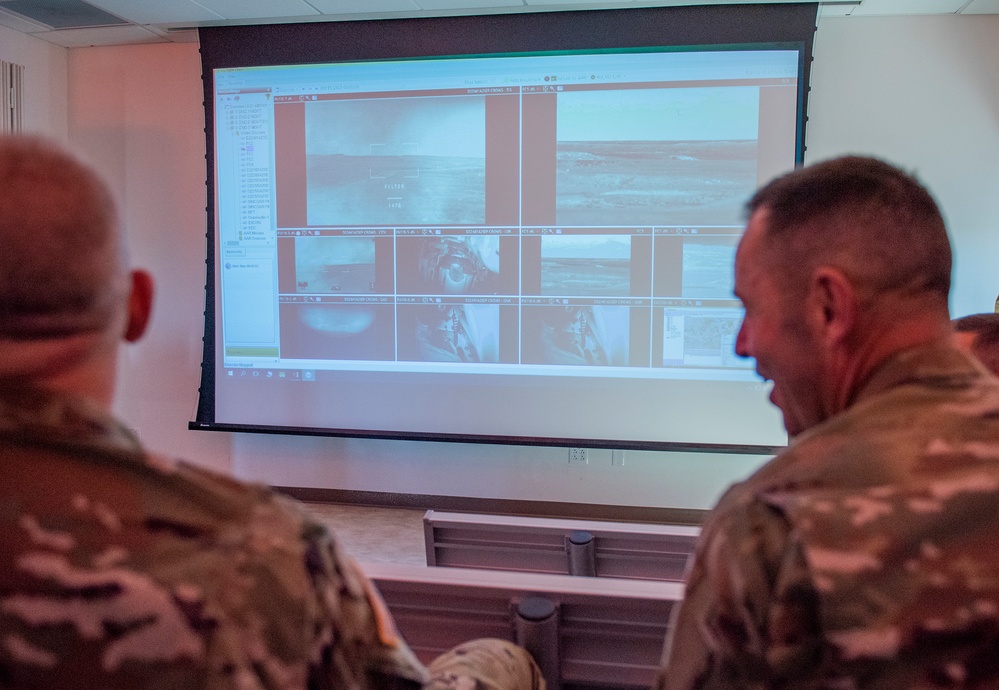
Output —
<point x="656" y="156"/>
<point x="396" y="161"/>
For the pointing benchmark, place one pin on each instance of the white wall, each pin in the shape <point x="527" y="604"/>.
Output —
<point x="136" y="113"/>
<point x="920" y="91"/>
<point x="45" y="102"/>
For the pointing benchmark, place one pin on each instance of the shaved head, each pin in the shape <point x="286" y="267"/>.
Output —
<point x="62" y="270"/>
<point x="872" y="220"/>
<point x="67" y="296"/>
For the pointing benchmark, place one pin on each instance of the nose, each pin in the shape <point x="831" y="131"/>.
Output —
<point x="742" y="341"/>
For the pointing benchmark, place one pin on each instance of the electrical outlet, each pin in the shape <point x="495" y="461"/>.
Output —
<point x="577" y="455"/>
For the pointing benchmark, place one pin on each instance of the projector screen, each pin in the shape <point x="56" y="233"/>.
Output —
<point x="514" y="240"/>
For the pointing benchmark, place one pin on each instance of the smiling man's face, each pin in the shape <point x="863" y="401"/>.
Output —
<point x="774" y="332"/>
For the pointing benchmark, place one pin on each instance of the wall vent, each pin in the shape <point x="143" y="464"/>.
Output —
<point x="62" y="14"/>
<point x="11" y="97"/>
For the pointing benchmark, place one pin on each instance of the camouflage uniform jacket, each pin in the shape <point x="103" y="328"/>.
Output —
<point x="120" y="569"/>
<point x="865" y="555"/>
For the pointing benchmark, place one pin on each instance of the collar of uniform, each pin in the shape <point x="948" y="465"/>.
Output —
<point x="58" y="416"/>
<point x="939" y="364"/>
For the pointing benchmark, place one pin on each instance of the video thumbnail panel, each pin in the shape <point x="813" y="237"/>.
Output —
<point x="695" y="336"/>
<point x="385" y="161"/>
<point x="584" y="332"/>
<point x="334" y="262"/>
<point x="707" y="266"/>
<point x="593" y="265"/>
<point x="695" y="264"/>
<point x="452" y="263"/>
<point x="655" y="155"/>
<point x="586" y="262"/>
<point x="452" y="330"/>
<point x="336" y="329"/>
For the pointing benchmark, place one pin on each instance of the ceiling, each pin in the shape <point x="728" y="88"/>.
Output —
<point x="79" y="23"/>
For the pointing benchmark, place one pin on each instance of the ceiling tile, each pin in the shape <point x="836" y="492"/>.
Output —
<point x="174" y="35"/>
<point x="586" y="4"/>
<point x="682" y="3"/>
<point x="260" y="9"/>
<point x="355" y="7"/>
<point x="836" y="10"/>
<point x="157" y="11"/>
<point x="103" y="36"/>
<point x="466" y="4"/>
<point x="893" y="7"/>
<point x="982" y="7"/>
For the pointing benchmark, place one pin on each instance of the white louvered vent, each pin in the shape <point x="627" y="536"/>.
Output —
<point x="11" y="88"/>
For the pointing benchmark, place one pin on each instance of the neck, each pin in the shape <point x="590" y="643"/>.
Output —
<point x="885" y="337"/>
<point x="81" y="365"/>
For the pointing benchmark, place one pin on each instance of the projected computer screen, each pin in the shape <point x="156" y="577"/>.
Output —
<point x="521" y="247"/>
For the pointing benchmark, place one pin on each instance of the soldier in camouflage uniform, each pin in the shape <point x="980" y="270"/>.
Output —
<point x="866" y="554"/>
<point x="122" y="569"/>
<point x="979" y="335"/>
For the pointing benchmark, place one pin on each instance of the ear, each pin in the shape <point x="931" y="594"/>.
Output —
<point x="140" y="305"/>
<point x="833" y="304"/>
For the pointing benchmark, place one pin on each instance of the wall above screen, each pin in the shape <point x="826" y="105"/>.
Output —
<point x="77" y="23"/>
